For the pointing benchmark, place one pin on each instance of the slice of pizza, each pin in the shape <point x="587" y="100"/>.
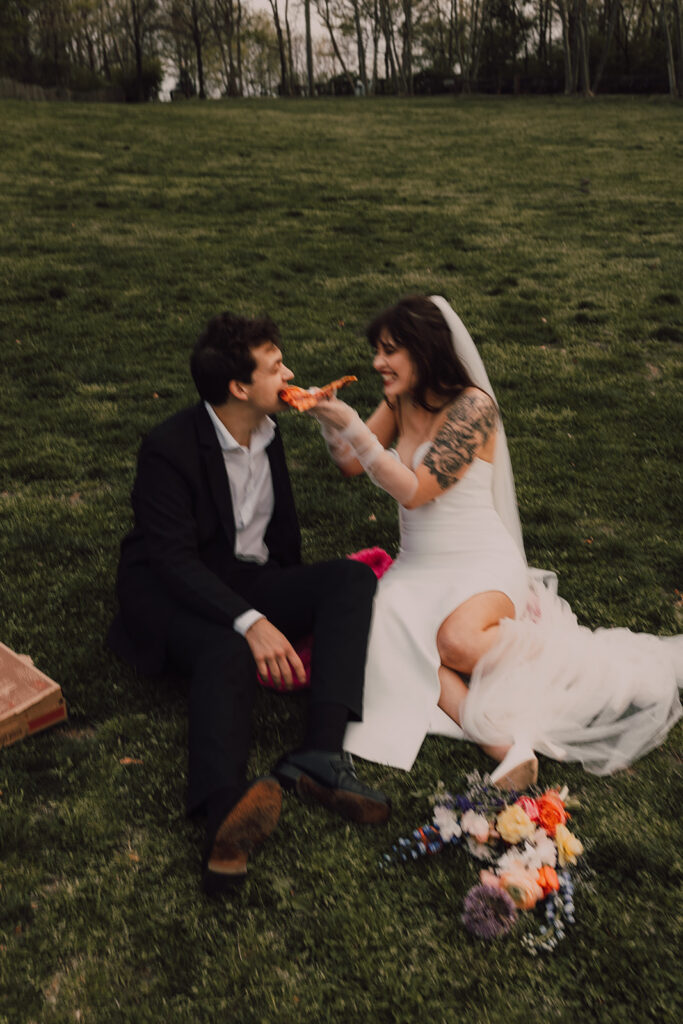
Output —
<point x="303" y="400"/>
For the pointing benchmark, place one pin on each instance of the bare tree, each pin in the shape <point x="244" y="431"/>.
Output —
<point x="240" y="74"/>
<point x="544" y="29"/>
<point x="75" y="42"/>
<point x="293" y="85"/>
<point x="260" y="53"/>
<point x="285" y="88"/>
<point x="470" y="18"/>
<point x="360" y="44"/>
<point x="327" y="16"/>
<point x="191" y="19"/>
<point x="141" y="25"/>
<point x="376" y="32"/>
<point x="566" y="12"/>
<point x="391" y="60"/>
<point x="407" y="48"/>
<point x="224" y="16"/>
<point x="672" y="26"/>
<point x="581" y="69"/>
<point x="309" y="49"/>
<point x="615" y="10"/>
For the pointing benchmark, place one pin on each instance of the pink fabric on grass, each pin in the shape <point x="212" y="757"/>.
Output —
<point x="379" y="561"/>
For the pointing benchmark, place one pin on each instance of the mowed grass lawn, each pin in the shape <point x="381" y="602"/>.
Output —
<point x="554" y="227"/>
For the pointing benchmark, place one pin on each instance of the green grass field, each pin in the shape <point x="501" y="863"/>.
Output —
<point x="554" y="227"/>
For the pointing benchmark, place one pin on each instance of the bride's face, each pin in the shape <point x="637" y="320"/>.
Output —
<point x="395" y="367"/>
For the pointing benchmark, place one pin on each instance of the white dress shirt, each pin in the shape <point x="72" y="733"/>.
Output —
<point x="253" y="498"/>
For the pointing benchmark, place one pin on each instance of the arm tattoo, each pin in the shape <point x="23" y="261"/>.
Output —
<point x="467" y="427"/>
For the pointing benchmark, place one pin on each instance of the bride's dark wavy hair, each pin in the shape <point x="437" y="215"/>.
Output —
<point x="417" y="325"/>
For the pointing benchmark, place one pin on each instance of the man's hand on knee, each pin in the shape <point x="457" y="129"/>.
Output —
<point x="273" y="653"/>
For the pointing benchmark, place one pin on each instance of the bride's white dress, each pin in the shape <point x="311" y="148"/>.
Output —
<point x="601" y="697"/>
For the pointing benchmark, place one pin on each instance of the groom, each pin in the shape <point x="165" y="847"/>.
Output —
<point x="211" y="586"/>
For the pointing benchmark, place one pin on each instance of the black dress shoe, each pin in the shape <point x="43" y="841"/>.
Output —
<point x="330" y="779"/>
<point x="245" y="826"/>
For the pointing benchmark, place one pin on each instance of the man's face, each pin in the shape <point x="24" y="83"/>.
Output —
<point x="270" y="376"/>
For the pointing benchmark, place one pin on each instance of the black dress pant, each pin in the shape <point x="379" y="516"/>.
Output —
<point x="332" y="601"/>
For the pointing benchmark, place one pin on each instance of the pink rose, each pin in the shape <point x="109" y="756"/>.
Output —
<point x="489" y="878"/>
<point x="529" y="805"/>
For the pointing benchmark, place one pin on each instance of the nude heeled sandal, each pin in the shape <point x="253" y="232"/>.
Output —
<point x="518" y="770"/>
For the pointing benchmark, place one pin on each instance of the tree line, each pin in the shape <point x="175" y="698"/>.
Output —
<point x="364" y="47"/>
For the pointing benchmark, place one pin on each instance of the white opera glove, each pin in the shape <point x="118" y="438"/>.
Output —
<point x="383" y="468"/>
<point x="341" y="451"/>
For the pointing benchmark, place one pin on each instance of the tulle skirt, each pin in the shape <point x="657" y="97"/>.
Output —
<point x="602" y="697"/>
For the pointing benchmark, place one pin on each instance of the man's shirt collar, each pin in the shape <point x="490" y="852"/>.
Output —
<point x="260" y="438"/>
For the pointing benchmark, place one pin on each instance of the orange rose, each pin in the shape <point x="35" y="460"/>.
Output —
<point x="551" y="812"/>
<point x="547" y="879"/>
<point x="522" y="887"/>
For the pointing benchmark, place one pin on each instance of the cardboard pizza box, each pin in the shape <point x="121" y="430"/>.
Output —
<point x="29" y="700"/>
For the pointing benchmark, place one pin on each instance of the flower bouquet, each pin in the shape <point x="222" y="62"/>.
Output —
<point x="526" y="851"/>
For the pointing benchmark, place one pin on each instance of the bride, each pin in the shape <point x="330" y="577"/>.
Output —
<point x="460" y="600"/>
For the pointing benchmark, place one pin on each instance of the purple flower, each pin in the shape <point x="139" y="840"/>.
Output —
<point x="488" y="912"/>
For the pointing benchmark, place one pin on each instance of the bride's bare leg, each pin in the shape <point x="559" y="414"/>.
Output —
<point x="463" y="638"/>
<point x="453" y="694"/>
<point x="472" y="629"/>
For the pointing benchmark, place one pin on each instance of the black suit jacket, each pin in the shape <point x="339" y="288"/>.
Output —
<point x="181" y="548"/>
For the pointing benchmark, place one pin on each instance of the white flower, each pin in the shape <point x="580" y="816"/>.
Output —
<point x="545" y="849"/>
<point x="482" y="851"/>
<point x="475" y="825"/>
<point x="532" y="858"/>
<point x="538" y="850"/>
<point x="446" y="821"/>
<point x="512" y="859"/>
